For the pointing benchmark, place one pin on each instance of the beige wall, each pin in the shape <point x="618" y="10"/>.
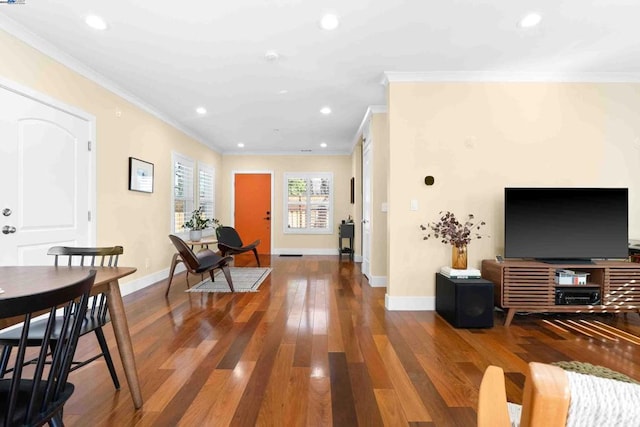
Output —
<point x="380" y="138"/>
<point x="340" y="166"/>
<point x="477" y="138"/>
<point x="138" y="221"/>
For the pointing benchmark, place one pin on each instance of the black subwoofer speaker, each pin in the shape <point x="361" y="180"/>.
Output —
<point x="465" y="303"/>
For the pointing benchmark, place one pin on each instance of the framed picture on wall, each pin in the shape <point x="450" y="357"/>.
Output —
<point x="140" y="175"/>
<point x="353" y="190"/>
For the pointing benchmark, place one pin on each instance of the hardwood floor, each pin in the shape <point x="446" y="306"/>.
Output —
<point x="316" y="347"/>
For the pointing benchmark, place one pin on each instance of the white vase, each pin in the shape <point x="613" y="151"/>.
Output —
<point x="195" y="235"/>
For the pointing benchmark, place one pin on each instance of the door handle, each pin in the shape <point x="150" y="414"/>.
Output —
<point x="6" y="212"/>
<point x="7" y="229"/>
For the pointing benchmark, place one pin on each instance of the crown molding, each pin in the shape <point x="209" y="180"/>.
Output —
<point x="510" y="76"/>
<point x="320" y="152"/>
<point x="372" y="109"/>
<point x="21" y="33"/>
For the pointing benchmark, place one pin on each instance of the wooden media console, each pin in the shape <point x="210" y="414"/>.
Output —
<point x="530" y="286"/>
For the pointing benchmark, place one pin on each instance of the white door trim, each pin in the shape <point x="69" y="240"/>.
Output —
<point x="367" y="181"/>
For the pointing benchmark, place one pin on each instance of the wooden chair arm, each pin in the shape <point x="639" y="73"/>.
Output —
<point x="546" y="397"/>
<point x="492" y="399"/>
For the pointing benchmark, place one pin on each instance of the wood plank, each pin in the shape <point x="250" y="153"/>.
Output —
<point x="342" y="404"/>
<point x="319" y="397"/>
<point x="367" y="408"/>
<point x="410" y="401"/>
<point x="272" y="409"/>
<point x="390" y="408"/>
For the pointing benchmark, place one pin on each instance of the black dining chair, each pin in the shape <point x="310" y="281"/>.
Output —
<point x="33" y="397"/>
<point x="97" y="313"/>
<point x="205" y="261"/>
<point x="230" y="243"/>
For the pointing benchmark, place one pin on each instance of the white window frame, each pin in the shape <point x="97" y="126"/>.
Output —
<point x="307" y="230"/>
<point x="208" y="198"/>
<point x="189" y="201"/>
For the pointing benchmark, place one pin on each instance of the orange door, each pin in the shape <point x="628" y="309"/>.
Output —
<point x="253" y="209"/>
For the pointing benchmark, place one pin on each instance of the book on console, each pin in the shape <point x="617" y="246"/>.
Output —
<point x="453" y="273"/>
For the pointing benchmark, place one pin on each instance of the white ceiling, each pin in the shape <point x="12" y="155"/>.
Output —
<point x="173" y="56"/>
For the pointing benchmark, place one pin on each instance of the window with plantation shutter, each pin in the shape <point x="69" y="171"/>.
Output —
<point x="183" y="191"/>
<point x="309" y="203"/>
<point x="206" y="190"/>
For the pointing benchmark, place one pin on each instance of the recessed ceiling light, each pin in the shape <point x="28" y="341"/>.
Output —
<point x="329" y="22"/>
<point x="96" y="22"/>
<point x="283" y="92"/>
<point x="241" y="144"/>
<point x="530" y="20"/>
<point x="325" y="110"/>
<point x="271" y="55"/>
<point x="323" y="145"/>
<point x="201" y="110"/>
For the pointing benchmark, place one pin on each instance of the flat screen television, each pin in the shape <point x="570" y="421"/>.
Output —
<point x="566" y="224"/>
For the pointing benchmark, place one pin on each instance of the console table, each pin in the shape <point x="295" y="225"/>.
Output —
<point x="530" y="286"/>
<point x="346" y="231"/>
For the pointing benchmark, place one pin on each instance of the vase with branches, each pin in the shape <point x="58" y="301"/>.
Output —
<point x="456" y="233"/>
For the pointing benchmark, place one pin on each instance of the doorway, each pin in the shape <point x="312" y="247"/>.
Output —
<point x="253" y="207"/>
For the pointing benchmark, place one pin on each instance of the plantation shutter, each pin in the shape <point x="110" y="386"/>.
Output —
<point x="319" y="192"/>
<point x="183" y="202"/>
<point x="297" y="203"/>
<point x="206" y="190"/>
<point x="308" y="203"/>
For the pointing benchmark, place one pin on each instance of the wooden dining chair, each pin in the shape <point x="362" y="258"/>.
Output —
<point x="205" y="261"/>
<point x="230" y="243"/>
<point x="97" y="314"/>
<point x="33" y="397"/>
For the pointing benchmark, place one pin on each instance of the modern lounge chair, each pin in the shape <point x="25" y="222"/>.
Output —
<point x="205" y="261"/>
<point x="230" y="243"/>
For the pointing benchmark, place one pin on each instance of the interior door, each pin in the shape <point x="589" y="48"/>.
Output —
<point x="252" y="208"/>
<point x="45" y="167"/>
<point x="366" y="204"/>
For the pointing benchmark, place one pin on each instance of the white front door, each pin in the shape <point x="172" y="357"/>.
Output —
<point x="46" y="178"/>
<point x="366" y="204"/>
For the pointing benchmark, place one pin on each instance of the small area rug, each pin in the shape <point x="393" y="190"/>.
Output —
<point x="595" y="370"/>
<point x="245" y="279"/>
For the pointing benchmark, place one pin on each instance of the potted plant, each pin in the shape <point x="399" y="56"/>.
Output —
<point x="197" y="223"/>
<point x="452" y="232"/>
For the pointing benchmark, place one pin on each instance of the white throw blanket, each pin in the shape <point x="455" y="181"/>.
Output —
<point x="600" y="402"/>
<point x="596" y="402"/>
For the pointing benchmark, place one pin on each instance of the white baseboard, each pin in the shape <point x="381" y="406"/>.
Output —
<point x="143" y="282"/>
<point x="409" y="303"/>
<point x="377" y="281"/>
<point x="357" y="258"/>
<point x="304" y="251"/>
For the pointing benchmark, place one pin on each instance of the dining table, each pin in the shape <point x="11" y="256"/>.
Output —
<point x="28" y="280"/>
